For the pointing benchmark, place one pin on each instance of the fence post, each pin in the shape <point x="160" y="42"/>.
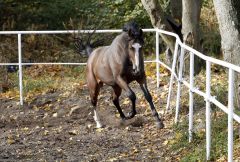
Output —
<point x="208" y="109"/>
<point x="157" y="57"/>
<point x="179" y="83"/>
<point x="230" y="114"/>
<point x="172" y="75"/>
<point x="191" y="98"/>
<point x="20" y="68"/>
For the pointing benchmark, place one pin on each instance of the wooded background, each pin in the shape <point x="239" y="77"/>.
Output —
<point x="201" y="21"/>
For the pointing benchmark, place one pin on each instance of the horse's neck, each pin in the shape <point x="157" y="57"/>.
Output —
<point x="120" y="43"/>
<point x="118" y="50"/>
<point x="121" y="39"/>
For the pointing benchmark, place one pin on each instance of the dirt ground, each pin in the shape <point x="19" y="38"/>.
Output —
<point x="59" y="126"/>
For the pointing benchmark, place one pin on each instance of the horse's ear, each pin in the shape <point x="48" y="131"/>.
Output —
<point x="176" y="28"/>
<point x="141" y="36"/>
<point x="130" y="34"/>
<point x="141" y="33"/>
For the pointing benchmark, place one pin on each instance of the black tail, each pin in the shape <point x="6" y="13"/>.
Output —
<point x="85" y="45"/>
<point x="176" y="28"/>
<point x="82" y="48"/>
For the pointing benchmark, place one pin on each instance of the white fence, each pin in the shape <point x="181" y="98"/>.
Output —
<point x="192" y="89"/>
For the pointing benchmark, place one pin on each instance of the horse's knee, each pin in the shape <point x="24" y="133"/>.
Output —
<point x="94" y="95"/>
<point x="114" y="97"/>
<point x="115" y="101"/>
<point x="132" y="96"/>
<point x="93" y="100"/>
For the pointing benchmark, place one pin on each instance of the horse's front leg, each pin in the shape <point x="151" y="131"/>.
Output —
<point x="149" y="99"/>
<point x="115" y="98"/>
<point x="131" y="95"/>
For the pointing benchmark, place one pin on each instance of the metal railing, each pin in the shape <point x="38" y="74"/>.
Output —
<point x="192" y="89"/>
<point x="20" y="63"/>
<point x="207" y="95"/>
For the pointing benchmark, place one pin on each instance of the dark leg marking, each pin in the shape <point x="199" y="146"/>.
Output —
<point x="149" y="99"/>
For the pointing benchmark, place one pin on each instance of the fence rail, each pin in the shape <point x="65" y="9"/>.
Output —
<point x="180" y="80"/>
<point x="207" y="95"/>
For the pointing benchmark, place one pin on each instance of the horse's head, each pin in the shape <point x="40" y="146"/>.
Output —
<point x="135" y="43"/>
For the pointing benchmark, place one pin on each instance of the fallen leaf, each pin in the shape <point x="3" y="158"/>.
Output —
<point x="10" y="141"/>
<point x="55" y="115"/>
<point x="45" y="132"/>
<point x="165" y="142"/>
<point x="126" y="102"/>
<point x="73" y="132"/>
<point x="25" y="128"/>
<point x="99" y="130"/>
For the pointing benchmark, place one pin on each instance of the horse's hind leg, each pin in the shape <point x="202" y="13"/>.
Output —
<point x="115" y="98"/>
<point x="94" y="88"/>
<point x="149" y="99"/>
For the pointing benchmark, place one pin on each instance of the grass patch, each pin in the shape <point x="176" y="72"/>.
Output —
<point x="196" y="150"/>
<point x="186" y="151"/>
<point x="42" y="79"/>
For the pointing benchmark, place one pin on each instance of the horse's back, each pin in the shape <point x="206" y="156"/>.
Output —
<point x="108" y="62"/>
<point x="98" y="66"/>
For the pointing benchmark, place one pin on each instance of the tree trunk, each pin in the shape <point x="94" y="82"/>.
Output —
<point x="190" y="23"/>
<point x="227" y="15"/>
<point x="176" y="10"/>
<point x="158" y="20"/>
<point x="190" y="27"/>
<point x="228" y="26"/>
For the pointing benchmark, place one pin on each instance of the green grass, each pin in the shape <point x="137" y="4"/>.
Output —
<point x="37" y="80"/>
<point x="193" y="151"/>
<point x="196" y="150"/>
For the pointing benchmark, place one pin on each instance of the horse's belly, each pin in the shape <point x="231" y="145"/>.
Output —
<point x="103" y="74"/>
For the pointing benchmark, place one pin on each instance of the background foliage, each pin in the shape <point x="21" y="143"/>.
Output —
<point x="52" y="14"/>
<point x="82" y="14"/>
<point x="87" y="14"/>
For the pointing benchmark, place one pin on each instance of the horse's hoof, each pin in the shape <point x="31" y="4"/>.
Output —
<point x="122" y="122"/>
<point x="130" y="115"/>
<point x="160" y="125"/>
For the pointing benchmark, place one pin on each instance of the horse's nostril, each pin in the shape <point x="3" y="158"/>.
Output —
<point x="136" y="71"/>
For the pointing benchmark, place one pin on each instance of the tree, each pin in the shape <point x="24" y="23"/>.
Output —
<point x="228" y="18"/>
<point x="229" y="30"/>
<point x="190" y="27"/>
<point x="190" y="22"/>
<point x="158" y="19"/>
<point x="176" y="9"/>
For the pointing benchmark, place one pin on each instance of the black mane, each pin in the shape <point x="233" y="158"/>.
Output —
<point x="131" y="25"/>
<point x="134" y="30"/>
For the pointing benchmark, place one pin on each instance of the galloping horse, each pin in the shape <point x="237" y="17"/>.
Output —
<point x="117" y="65"/>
